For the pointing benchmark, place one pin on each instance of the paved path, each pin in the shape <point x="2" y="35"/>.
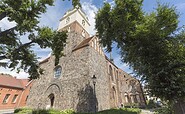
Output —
<point x="146" y="112"/>
<point x="8" y="111"/>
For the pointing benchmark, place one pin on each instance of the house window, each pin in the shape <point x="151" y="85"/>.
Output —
<point x="57" y="72"/>
<point x="6" y="98"/>
<point x="14" y="98"/>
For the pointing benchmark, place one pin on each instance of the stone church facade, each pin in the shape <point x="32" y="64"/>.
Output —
<point x="69" y="84"/>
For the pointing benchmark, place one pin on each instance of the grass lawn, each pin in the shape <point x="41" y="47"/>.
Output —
<point x="52" y="111"/>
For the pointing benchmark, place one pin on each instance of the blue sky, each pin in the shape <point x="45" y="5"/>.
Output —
<point x="54" y="14"/>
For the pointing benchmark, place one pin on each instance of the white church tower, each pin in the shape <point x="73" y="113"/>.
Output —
<point x="75" y="20"/>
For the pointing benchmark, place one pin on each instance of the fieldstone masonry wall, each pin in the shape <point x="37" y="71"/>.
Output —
<point x="74" y="89"/>
<point x="97" y="67"/>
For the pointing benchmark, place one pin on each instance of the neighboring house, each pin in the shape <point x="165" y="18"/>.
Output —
<point x="13" y="92"/>
<point x="69" y="85"/>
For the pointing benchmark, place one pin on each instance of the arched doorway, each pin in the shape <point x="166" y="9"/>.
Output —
<point x="52" y="99"/>
<point x="52" y="96"/>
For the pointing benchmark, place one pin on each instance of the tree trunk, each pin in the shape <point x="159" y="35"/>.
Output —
<point x="179" y="107"/>
<point x="2" y="15"/>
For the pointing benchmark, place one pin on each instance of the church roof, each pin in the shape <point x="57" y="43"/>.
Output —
<point x="45" y="60"/>
<point x="83" y="43"/>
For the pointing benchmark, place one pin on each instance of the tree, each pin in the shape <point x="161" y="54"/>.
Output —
<point x="152" y="44"/>
<point x="25" y="13"/>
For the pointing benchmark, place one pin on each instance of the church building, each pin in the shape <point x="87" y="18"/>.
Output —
<point x="85" y="80"/>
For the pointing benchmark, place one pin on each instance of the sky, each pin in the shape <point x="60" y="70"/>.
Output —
<point x="54" y="14"/>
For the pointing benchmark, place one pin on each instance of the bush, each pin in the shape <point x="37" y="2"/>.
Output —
<point x="151" y="104"/>
<point x="164" y="110"/>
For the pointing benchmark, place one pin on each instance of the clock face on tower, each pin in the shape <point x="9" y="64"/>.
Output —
<point x="67" y="20"/>
<point x="83" y="23"/>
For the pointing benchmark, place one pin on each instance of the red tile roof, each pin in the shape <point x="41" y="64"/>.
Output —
<point x="9" y="81"/>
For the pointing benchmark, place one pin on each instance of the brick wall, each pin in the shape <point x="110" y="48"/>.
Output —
<point x="12" y="91"/>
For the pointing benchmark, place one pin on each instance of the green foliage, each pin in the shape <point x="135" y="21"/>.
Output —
<point x="150" y="43"/>
<point x="26" y="14"/>
<point x="23" y="111"/>
<point x="117" y="23"/>
<point x="164" y="110"/>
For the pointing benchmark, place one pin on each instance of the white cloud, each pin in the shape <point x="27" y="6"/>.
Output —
<point x="5" y="24"/>
<point x="21" y="75"/>
<point x="90" y="11"/>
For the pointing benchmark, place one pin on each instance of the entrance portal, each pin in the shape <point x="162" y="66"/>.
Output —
<point x="52" y="98"/>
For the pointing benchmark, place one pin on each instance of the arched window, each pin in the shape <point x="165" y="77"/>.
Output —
<point x="57" y="71"/>
<point x="126" y="97"/>
<point x="69" y="29"/>
<point x="95" y="43"/>
<point x="83" y="33"/>
<point x="92" y="43"/>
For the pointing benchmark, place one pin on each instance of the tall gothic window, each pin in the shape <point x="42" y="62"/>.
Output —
<point x="126" y="98"/>
<point x="57" y="71"/>
<point x="95" y="43"/>
<point x="111" y="72"/>
<point x="92" y="43"/>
